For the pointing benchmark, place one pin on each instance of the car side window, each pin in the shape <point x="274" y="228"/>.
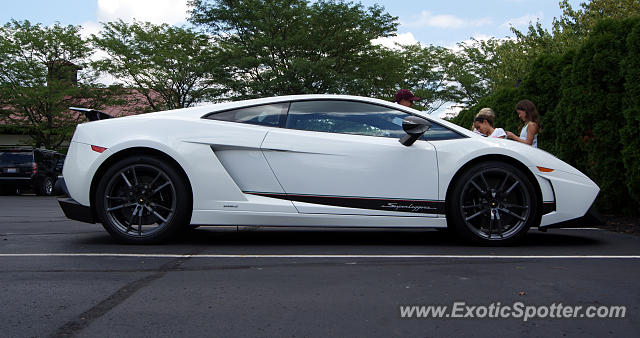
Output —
<point x="269" y="115"/>
<point x="346" y="117"/>
<point x="440" y="133"/>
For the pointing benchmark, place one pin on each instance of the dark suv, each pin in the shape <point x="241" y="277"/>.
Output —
<point x="36" y="169"/>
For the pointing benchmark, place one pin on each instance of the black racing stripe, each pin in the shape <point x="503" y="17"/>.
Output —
<point x="416" y="206"/>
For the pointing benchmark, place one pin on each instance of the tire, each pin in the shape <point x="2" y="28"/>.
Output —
<point x="45" y="188"/>
<point x="493" y="203"/>
<point x="143" y="200"/>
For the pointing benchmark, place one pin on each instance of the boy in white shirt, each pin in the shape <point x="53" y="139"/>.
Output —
<point x="484" y="124"/>
<point x="484" y="112"/>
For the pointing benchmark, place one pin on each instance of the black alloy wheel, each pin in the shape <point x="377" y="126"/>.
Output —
<point x="493" y="203"/>
<point x="143" y="200"/>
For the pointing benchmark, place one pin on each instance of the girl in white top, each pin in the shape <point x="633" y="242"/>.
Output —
<point x="528" y="114"/>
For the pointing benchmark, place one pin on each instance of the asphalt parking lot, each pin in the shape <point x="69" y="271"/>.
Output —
<point x="64" y="278"/>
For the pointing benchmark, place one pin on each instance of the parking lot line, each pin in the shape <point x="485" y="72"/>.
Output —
<point x="134" y="255"/>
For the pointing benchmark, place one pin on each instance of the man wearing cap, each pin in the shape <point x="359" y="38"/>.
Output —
<point x="405" y="97"/>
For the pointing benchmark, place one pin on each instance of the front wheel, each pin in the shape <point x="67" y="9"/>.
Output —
<point x="143" y="199"/>
<point x="493" y="203"/>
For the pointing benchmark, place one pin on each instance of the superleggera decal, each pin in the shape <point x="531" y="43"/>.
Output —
<point x="374" y="203"/>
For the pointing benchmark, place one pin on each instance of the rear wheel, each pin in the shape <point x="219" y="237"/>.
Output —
<point x="143" y="199"/>
<point x="493" y="203"/>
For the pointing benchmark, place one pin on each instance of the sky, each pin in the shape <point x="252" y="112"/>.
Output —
<point x="431" y="22"/>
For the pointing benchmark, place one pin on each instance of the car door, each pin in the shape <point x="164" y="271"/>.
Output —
<point x="343" y="157"/>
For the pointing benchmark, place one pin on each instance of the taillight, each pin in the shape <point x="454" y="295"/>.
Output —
<point x="98" y="149"/>
<point x="34" y="168"/>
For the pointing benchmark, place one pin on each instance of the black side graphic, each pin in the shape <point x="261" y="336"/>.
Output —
<point x="416" y="206"/>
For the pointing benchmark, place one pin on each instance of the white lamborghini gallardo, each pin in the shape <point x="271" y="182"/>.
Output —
<point x="312" y="160"/>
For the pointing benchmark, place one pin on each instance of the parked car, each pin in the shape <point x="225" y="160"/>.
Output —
<point x="29" y="169"/>
<point x="312" y="160"/>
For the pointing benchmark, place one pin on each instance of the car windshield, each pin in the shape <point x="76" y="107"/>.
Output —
<point x="9" y="158"/>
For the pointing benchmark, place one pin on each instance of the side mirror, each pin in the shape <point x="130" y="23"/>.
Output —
<point x="414" y="127"/>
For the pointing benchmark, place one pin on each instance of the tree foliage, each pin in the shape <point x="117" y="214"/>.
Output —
<point x="173" y="67"/>
<point x="420" y="68"/>
<point x="481" y="67"/>
<point x="590" y="110"/>
<point x="280" y="47"/>
<point x="630" y="132"/>
<point x="37" y="81"/>
<point x="477" y="68"/>
<point x="574" y="25"/>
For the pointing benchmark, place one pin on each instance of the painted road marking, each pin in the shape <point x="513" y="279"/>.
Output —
<point x="106" y="254"/>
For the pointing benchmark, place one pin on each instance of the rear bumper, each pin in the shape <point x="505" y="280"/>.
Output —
<point x="76" y="211"/>
<point x="20" y="182"/>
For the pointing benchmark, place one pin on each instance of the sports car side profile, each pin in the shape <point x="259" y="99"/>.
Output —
<point x="312" y="160"/>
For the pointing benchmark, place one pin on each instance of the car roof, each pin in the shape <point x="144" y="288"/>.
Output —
<point x="200" y="111"/>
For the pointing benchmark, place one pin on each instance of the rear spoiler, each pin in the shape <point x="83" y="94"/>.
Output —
<point x="92" y="114"/>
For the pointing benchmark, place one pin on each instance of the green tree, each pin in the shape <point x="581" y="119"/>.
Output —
<point x="468" y="69"/>
<point x="503" y="63"/>
<point x="590" y="111"/>
<point x="278" y="47"/>
<point x="543" y="86"/>
<point x="173" y="67"/>
<point x="574" y="25"/>
<point x="480" y="67"/>
<point x="630" y="132"/>
<point x="38" y="69"/>
<point x="421" y="70"/>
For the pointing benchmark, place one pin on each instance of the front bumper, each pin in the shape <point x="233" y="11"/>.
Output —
<point x="76" y="211"/>
<point x="591" y="218"/>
